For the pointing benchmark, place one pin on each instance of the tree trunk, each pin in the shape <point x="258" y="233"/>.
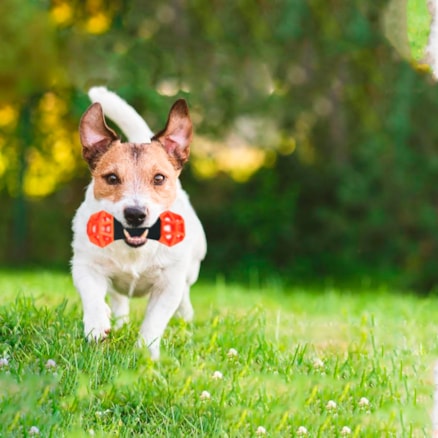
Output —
<point x="20" y="220"/>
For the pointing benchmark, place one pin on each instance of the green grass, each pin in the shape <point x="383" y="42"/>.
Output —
<point x="418" y="27"/>
<point x="297" y="350"/>
<point x="305" y="358"/>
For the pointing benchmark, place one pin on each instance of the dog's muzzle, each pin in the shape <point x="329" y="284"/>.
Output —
<point x="134" y="216"/>
<point x="135" y="236"/>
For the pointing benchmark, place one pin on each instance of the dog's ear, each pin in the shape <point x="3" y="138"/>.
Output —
<point x="177" y="134"/>
<point x="96" y="136"/>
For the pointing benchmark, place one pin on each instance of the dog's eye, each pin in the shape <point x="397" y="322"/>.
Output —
<point x="159" y="179"/>
<point x="112" y="179"/>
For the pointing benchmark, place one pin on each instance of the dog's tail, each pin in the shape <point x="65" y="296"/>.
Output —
<point x="126" y="118"/>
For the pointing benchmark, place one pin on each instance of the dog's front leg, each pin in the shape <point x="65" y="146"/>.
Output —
<point x="92" y="288"/>
<point x="163" y="303"/>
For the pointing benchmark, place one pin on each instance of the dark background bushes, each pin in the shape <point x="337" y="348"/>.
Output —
<point x="348" y="189"/>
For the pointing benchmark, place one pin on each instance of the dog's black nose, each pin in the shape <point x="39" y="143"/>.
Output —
<point x="134" y="216"/>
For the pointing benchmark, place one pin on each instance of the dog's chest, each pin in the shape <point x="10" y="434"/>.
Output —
<point x="134" y="284"/>
<point x="134" y="272"/>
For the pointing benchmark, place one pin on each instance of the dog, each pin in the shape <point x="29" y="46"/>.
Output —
<point x="135" y="182"/>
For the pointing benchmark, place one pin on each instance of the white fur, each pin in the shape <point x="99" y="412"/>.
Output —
<point x="127" y="119"/>
<point x="164" y="273"/>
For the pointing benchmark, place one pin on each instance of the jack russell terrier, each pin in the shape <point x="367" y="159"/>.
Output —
<point x="135" y="182"/>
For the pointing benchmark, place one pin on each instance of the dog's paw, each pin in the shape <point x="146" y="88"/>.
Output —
<point x="97" y="329"/>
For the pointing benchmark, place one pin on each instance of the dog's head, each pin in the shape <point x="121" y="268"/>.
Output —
<point x="136" y="182"/>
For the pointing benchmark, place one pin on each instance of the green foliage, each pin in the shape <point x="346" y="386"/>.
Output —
<point x="319" y="359"/>
<point x="418" y="27"/>
<point x="25" y="67"/>
<point x="357" y="195"/>
<point x="348" y="186"/>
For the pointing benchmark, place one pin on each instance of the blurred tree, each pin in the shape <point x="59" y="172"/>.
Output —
<point x="26" y="70"/>
<point x="396" y="26"/>
<point x="337" y="119"/>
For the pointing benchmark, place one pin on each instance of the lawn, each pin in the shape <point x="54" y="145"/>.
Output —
<point x="257" y="361"/>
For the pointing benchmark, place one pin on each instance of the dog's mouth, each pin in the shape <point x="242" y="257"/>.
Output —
<point x="135" y="237"/>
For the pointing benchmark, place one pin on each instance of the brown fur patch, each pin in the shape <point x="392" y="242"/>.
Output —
<point x="177" y="134"/>
<point x="96" y="136"/>
<point x="136" y="165"/>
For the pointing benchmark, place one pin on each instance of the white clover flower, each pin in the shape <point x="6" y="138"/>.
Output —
<point x="232" y="352"/>
<point x="331" y="405"/>
<point x="101" y="414"/>
<point x="363" y="402"/>
<point x="345" y="430"/>
<point x="91" y="432"/>
<point x="205" y="395"/>
<point x="318" y="363"/>
<point x="217" y="375"/>
<point x="261" y="431"/>
<point x="302" y="431"/>
<point x="4" y="362"/>
<point x="34" y="431"/>
<point x="50" y="364"/>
